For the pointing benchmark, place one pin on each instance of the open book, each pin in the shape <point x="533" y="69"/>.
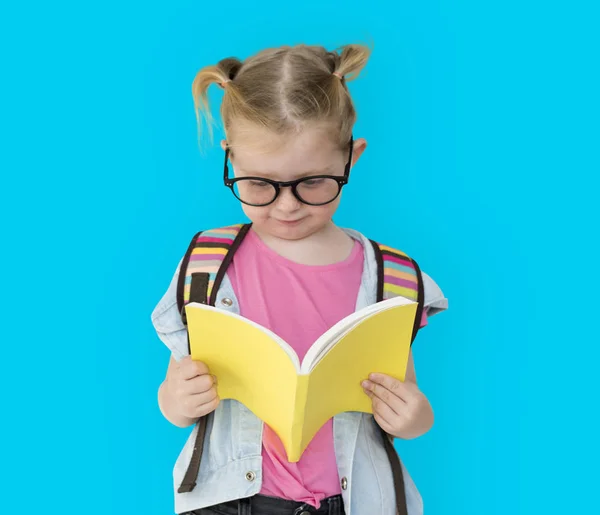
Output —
<point x="259" y="369"/>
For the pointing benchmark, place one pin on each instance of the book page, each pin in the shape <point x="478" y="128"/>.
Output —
<point x="250" y="363"/>
<point x="376" y="344"/>
<point x="227" y="316"/>
<point x="328" y="339"/>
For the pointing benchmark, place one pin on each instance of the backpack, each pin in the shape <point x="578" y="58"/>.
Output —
<point x="201" y="274"/>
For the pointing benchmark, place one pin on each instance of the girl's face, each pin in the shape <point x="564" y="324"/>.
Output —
<point x="257" y="152"/>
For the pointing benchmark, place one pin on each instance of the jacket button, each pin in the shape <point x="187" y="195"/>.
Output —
<point x="227" y="302"/>
<point x="250" y="476"/>
<point x="344" y="483"/>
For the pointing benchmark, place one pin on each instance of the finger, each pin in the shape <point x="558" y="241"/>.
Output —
<point x="199" y="384"/>
<point x="383" y="424"/>
<point x="402" y="389"/>
<point x="199" y="399"/>
<point x="209" y="407"/>
<point x="384" y="415"/>
<point x="190" y="369"/>
<point x="383" y="394"/>
<point x="205" y="408"/>
<point x="384" y="410"/>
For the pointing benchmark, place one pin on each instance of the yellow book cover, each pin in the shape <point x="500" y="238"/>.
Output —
<point x="257" y="368"/>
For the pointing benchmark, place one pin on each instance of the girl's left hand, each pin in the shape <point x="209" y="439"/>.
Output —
<point x="400" y="408"/>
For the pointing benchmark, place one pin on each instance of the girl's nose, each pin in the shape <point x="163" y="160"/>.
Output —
<point x="286" y="201"/>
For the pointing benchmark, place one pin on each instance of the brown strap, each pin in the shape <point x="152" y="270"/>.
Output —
<point x="199" y="287"/>
<point x="388" y="441"/>
<point x="191" y="474"/>
<point x="401" y="508"/>
<point x="420" y="301"/>
<point x="199" y="293"/>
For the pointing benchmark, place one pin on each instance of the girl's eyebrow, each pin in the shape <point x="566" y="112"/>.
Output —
<point x="270" y="174"/>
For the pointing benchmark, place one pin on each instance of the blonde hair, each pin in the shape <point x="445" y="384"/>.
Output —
<point x="283" y="89"/>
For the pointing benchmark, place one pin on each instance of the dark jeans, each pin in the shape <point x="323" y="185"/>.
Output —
<point x="262" y="505"/>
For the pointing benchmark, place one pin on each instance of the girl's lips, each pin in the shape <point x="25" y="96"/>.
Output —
<point x="290" y="222"/>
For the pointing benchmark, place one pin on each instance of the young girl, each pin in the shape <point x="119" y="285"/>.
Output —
<point x="288" y="119"/>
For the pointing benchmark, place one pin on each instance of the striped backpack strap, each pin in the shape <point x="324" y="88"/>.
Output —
<point x="200" y="275"/>
<point x="399" y="275"/>
<point x="205" y="263"/>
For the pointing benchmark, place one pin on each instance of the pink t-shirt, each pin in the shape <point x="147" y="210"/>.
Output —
<point x="298" y="303"/>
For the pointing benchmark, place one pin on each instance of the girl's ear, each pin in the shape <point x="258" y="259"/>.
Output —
<point x="223" y="144"/>
<point x="359" y="147"/>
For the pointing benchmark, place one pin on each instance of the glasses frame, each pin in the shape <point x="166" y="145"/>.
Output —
<point x="278" y="185"/>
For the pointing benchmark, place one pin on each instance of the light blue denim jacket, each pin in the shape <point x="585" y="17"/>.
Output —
<point x="231" y="466"/>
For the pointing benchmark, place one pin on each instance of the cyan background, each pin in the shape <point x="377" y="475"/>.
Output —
<point x="482" y="119"/>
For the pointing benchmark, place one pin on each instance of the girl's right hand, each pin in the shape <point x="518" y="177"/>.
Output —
<point x="192" y="388"/>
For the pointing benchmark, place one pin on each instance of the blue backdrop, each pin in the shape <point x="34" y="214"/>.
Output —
<point x="484" y="116"/>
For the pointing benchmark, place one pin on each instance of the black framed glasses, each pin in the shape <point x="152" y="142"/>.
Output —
<point x="314" y="190"/>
